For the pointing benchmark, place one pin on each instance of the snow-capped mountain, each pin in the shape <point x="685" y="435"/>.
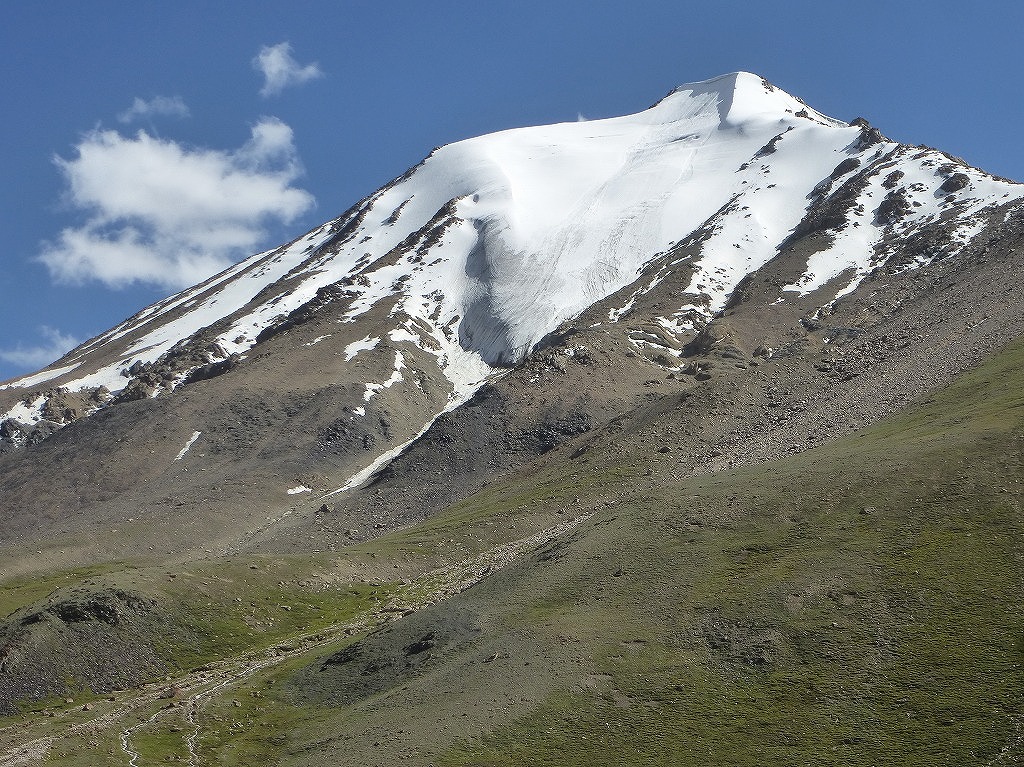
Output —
<point x="660" y="397"/>
<point x="513" y="292"/>
<point x="491" y="243"/>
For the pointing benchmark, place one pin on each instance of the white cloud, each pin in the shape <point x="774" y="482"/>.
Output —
<point x="281" y="70"/>
<point x="56" y="345"/>
<point x="164" y="214"/>
<point x="172" y="106"/>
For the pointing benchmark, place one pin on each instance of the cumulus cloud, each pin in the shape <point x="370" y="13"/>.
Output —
<point x="171" y="106"/>
<point x="161" y="213"/>
<point x="55" y="345"/>
<point x="280" y="70"/>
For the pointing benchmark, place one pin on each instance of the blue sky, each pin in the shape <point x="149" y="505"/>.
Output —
<point x="252" y="150"/>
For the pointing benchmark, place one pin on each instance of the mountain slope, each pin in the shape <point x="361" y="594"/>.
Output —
<point x="852" y="604"/>
<point x="643" y="381"/>
<point x="311" y="365"/>
<point x="857" y="602"/>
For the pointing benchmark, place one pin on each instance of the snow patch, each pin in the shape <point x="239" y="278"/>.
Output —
<point x="365" y="344"/>
<point x="396" y="377"/>
<point x="26" y="412"/>
<point x="188" y="445"/>
<point x="403" y="334"/>
<point x="674" y="324"/>
<point x="614" y="315"/>
<point x="39" y="378"/>
<point x="362" y="476"/>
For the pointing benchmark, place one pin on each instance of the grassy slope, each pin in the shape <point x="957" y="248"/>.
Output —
<point x="854" y="604"/>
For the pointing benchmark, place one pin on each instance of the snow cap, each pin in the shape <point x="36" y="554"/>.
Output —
<point x="741" y="97"/>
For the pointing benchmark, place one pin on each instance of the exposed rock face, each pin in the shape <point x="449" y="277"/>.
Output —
<point x="51" y="410"/>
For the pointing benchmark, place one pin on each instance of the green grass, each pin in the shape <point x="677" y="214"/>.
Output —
<point x="162" y="744"/>
<point x="856" y="604"/>
<point x="16" y="593"/>
<point x="226" y="609"/>
<point x="251" y="724"/>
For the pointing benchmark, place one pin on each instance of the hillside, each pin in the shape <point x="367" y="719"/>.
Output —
<point x="691" y="436"/>
<point x="856" y="602"/>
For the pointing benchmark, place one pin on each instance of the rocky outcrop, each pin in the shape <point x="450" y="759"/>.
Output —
<point x="98" y="640"/>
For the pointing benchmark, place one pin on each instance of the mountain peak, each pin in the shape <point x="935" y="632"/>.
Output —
<point x="741" y="97"/>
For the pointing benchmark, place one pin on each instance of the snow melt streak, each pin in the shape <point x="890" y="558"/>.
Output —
<point x="188" y="445"/>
